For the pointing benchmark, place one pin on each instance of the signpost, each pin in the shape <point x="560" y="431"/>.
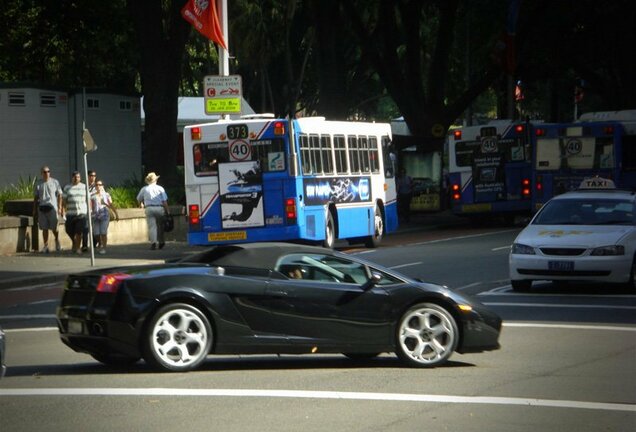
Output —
<point x="223" y="94"/>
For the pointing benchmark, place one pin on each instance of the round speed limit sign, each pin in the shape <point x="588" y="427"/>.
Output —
<point x="240" y="150"/>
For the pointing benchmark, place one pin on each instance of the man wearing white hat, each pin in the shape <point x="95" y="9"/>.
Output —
<point x="154" y="200"/>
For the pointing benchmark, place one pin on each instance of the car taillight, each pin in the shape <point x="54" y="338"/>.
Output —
<point x="539" y="186"/>
<point x="290" y="211"/>
<point x="109" y="283"/>
<point x="193" y="214"/>
<point x="526" y="191"/>
<point x="195" y="133"/>
<point x="519" y="129"/>
<point x="457" y="134"/>
<point x="539" y="132"/>
<point x="455" y="192"/>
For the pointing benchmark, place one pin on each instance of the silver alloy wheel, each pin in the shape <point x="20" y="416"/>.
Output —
<point x="179" y="338"/>
<point x="427" y="335"/>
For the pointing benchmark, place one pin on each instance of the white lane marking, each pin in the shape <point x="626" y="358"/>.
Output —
<point x="568" y="306"/>
<point x="458" y="238"/>
<point x="406" y="265"/>
<point x="318" y="395"/>
<point x="570" y="326"/>
<point x="43" y="302"/>
<point x="467" y="286"/>
<point x="34" y="287"/>
<point x="501" y="248"/>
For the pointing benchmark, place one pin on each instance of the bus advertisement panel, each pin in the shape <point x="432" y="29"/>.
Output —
<point x="600" y="144"/>
<point x="490" y="170"/>
<point x="264" y="179"/>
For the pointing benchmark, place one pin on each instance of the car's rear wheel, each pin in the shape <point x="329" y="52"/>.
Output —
<point x="115" y="360"/>
<point x="178" y="338"/>
<point x="521" y="285"/>
<point x="374" y="240"/>
<point x="361" y="356"/>
<point x="427" y="335"/>
<point x="330" y="232"/>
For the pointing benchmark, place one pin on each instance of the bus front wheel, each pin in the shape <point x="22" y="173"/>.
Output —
<point x="330" y="232"/>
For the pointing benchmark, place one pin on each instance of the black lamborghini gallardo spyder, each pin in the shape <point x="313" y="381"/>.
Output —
<point x="267" y="298"/>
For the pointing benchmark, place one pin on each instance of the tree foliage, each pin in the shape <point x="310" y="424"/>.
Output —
<point x="427" y="60"/>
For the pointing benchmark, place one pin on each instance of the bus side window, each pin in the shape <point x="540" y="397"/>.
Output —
<point x="354" y="157"/>
<point x="341" y="154"/>
<point x="326" y="150"/>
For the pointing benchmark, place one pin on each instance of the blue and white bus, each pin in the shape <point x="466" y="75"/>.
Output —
<point x="309" y="179"/>
<point x="599" y="144"/>
<point x="489" y="170"/>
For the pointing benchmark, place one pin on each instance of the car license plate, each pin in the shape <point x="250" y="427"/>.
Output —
<point x="75" y="327"/>
<point x="561" y="265"/>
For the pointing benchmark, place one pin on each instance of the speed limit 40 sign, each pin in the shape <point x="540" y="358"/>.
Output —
<point x="240" y="150"/>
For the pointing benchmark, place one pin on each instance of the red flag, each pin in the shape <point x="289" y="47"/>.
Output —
<point x="204" y="18"/>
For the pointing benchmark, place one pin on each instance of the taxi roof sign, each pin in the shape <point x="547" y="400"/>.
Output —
<point x="597" y="183"/>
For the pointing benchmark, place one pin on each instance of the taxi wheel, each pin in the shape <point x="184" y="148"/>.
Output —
<point x="521" y="285"/>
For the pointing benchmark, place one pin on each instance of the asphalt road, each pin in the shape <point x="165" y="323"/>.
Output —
<point x="567" y="362"/>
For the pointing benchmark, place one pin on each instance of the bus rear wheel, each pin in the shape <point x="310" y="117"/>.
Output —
<point x="330" y="232"/>
<point x="374" y="240"/>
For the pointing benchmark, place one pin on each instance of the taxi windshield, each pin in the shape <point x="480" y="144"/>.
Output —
<point x="587" y="211"/>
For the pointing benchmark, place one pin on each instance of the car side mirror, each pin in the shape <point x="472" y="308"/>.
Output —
<point x="373" y="281"/>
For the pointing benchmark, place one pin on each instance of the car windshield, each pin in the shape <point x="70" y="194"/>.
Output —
<point x="587" y="211"/>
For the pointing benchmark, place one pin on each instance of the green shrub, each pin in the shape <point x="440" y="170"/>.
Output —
<point x="22" y="190"/>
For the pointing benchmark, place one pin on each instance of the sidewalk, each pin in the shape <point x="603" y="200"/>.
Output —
<point x="24" y="269"/>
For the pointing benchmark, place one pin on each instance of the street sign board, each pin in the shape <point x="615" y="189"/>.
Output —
<point x="223" y="94"/>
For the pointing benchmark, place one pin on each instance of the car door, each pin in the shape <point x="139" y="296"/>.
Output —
<point x="329" y="304"/>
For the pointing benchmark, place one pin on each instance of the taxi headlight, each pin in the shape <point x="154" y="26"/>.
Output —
<point x="608" y="250"/>
<point x="521" y="249"/>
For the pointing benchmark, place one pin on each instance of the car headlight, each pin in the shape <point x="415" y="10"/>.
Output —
<point x="608" y="250"/>
<point x="521" y="249"/>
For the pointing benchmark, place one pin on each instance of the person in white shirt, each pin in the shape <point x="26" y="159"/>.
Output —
<point x="47" y="206"/>
<point x="154" y="200"/>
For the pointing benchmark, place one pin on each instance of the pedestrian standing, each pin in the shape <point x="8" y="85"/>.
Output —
<point x="404" y="185"/>
<point x="47" y="205"/>
<point x="92" y="177"/>
<point x="154" y="200"/>
<point x="101" y="203"/>
<point x="76" y="210"/>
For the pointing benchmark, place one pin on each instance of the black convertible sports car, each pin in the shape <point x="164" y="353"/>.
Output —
<point x="267" y="298"/>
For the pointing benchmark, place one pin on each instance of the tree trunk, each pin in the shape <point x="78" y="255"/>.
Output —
<point x="162" y="35"/>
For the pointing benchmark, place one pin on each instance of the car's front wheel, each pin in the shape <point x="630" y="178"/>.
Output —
<point x="178" y="338"/>
<point x="427" y="335"/>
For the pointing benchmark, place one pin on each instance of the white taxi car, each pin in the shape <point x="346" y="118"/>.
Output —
<point x="584" y="235"/>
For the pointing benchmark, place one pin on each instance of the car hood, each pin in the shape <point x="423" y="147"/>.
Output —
<point x="573" y="235"/>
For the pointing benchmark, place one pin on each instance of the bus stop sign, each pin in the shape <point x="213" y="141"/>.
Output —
<point x="222" y="94"/>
